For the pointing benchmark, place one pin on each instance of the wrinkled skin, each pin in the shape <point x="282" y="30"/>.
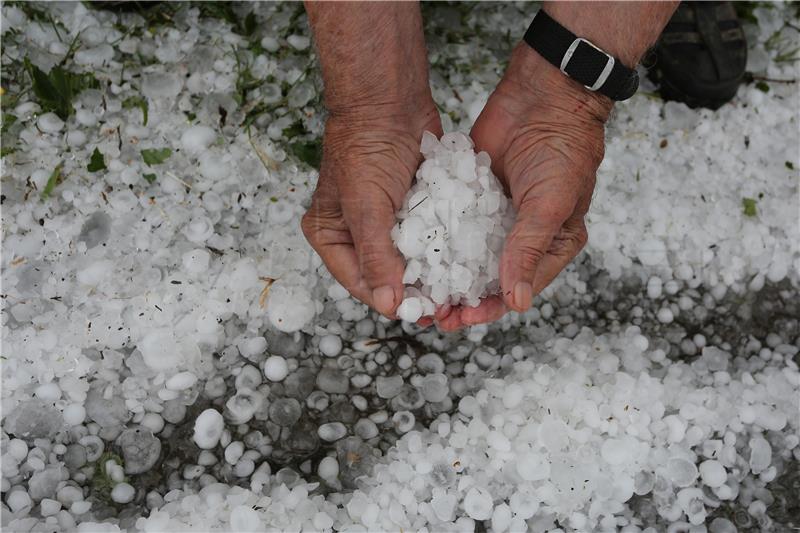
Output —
<point x="545" y="143"/>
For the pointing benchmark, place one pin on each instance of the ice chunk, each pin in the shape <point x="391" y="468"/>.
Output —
<point x="276" y="368"/>
<point x="760" y="454"/>
<point x="713" y="473"/>
<point x="478" y="504"/>
<point x="332" y="431"/>
<point x="410" y="309"/>
<point x="140" y="449"/>
<point x="123" y="493"/>
<point x="208" y="429"/>
<point x="197" y="138"/>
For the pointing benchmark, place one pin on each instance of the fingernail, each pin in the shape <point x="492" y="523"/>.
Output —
<point x="523" y="295"/>
<point x="383" y="298"/>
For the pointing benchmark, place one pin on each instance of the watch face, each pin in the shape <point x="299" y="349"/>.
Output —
<point x="586" y="64"/>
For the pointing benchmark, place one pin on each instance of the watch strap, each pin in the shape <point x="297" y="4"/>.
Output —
<point x="581" y="60"/>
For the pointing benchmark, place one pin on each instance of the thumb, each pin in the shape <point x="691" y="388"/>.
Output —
<point x="540" y="217"/>
<point x="370" y="214"/>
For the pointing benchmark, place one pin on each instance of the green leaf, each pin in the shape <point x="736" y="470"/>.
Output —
<point x="249" y="24"/>
<point x="155" y="156"/>
<point x="8" y="121"/>
<point x="309" y="152"/>
<point x="96" y="163"/>
<point x="789" y="165"/>
<point x="137" y="101"/>
<point x="56" y="90"/>
<point x="749" y="205"/>
<point x="762" y="86"/>
<point x="54" y="179"/>
<point x="294" y="130"/>
<point x="149" y="178"/>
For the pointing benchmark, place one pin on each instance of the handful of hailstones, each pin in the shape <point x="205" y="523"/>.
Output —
<point x="451" y="228"/>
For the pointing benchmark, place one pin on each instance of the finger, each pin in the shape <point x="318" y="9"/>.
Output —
<point x="425" y="321"/>
<point x="452" y="322"/>
<point x="539" y="219"/>
<point x="442" y="311"/>
<point x="563" y="249"/>
<point x="489" y="310"/>
<point x="326" y="231"/>
<point x="370" y="215"/>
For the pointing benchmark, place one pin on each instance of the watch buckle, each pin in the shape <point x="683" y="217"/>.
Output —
<point x="604" y="74"/>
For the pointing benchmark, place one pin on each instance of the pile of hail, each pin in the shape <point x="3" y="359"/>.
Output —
<point x="451" y="227"/>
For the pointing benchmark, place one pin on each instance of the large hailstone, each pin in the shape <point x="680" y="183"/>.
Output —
<point x="451" y="228"/>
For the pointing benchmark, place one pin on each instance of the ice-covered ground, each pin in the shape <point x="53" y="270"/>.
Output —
<point x="175" y="357"/>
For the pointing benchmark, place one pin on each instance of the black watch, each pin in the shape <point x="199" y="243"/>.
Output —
<point x="580" y="59"/>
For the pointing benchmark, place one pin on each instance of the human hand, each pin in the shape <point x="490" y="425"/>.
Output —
<point x="375" y="69"/>
<point x="369" y="160"/>
<point x="545" y="135"/>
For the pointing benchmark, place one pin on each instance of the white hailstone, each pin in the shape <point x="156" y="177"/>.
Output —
<point x="244" y="467"/>
<point x="93" y="274"/>
<point x="298" y="42"/>
<point x="713" y="473"/>
<point x="270" y="44"/>
<point x="498" y="441"/>
<point x="615" y="451"/>
<point x="322" y="521"/>
<point x="49" y="507"/>
<point x="676" y="428"/>
<point x="181" y="381"/>
<point x="276" y="368"/>
<point x="330" y="345"/>
<point x="123" y="493"/>
<point x="531" y="467"/>
<point x="196" y="261"/>
<point x="153" y="421"/>
<point x="760" y="454"/>
<point x="234" y="451"/>
<point x="403" y="421"/>
<point x="199" y="230"/>
<point x="451" y="227"/>
<point x="328" y="468"/>
<point x="332" y="431"/>
<point x="665" y="315"/>
<point x="18" y="449"/>
<point x="245" y="518"/>
<point x="197" y="138"/>
<point x="410" y="309"/>
<point x="208" y="429"/>
<point x="501" y="518"/>
<point x="478" y="504"/>
<point x="652" y="252"/>
<point x="48" y="392"/>
<point x="160" y="349"/>
<point x="602" y="236"/>
<point x="18" y="500"/>
<point x="80" y="507"/>
<point x="290" y="308"/>
<point x="244" y="275"/>
<point x="50" y="123"/>
<point x="252" y="347"/>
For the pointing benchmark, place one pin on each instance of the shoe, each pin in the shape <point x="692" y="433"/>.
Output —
<point x="701" y="56"/>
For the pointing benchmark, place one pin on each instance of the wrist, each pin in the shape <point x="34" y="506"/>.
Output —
<point x="373" y="56"/>
<point x="534" y="80"/>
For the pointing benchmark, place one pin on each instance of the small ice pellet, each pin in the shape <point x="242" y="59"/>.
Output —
<point x="410" y="309"/>
<point x="328" y="468"/>
<point x="208" y="429"/>
<point x="330" y="345"/>
<point x="713" y="473"/>
<point x="276" y="368"/>
<point x="123" y="493"/>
